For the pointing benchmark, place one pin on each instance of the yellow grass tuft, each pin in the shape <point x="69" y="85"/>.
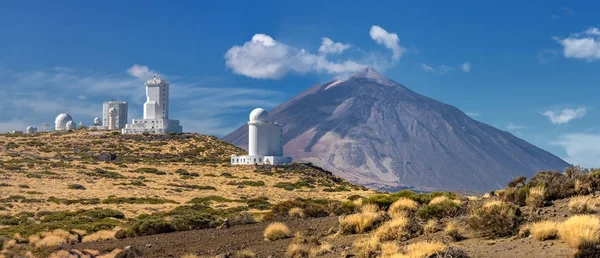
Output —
<point x="395" y="229"/>
<point x="439" y="199"/>
<point x="535" y="197"/>
<point x="492" y="203"/>
<point x="50" y="240"/>
<point x="580" y="230"/>
<point x="402" y="206"/>
<point x="189" y="255"/>
<point x="544" y="230"/>
<point x="452" y="230"/>
<point x="324" y="248"/>
<point x="245" y="254"/>
<point x="60" y="254"/>
<point x="472" y="198"/>
<point x="359" y="222"/>
<point x="296" y="212"/>
<point x="98" y="236"/>
<point x="389" y="249"/>
<point x="366" y="247"/>
<point x="369" y="208"/>
<point x="486" y="196"/>
<point x="583" y="204"/>
<point x="422" y="250"/>
<point x="297" y="251"/>
<point x="277" y="230"/>
<point x="431" y="226"/>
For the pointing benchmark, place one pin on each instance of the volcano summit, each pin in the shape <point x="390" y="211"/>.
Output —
<point x="378" y="133"/>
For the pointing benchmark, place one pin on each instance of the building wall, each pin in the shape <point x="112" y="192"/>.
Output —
<point x="157" y="101"/>
<point x="121" y="107"/>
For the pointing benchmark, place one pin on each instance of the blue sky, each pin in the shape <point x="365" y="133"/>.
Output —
<point x="530" y="68"/>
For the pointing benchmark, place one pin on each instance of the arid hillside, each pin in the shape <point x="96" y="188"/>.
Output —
<point x="104" y="181"/>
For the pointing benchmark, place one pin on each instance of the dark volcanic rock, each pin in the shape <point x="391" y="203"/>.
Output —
<point x="376" y="132"/>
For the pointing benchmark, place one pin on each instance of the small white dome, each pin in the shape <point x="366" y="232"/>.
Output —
<point x="29" y="128"/>
<point x="259" y="115"/>
<point x="62" y="119"/>
<point x="96" y="121"/>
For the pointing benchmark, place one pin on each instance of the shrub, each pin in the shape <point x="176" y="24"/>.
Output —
<point x="259" y="203"/>
<point x="291" y="186"/>
<point x="297" y="251"/>
<point x="583" y="204"/>
<point x="276" y="231"/>
<point x="245" y="254"/>
<point x="518" y="196"/>
<point x="366" y="247"/>
<point x="425" y="249"/>
<point x="104" y="213"/>
<point x="361" y="222"/>
<point x="296" y="212"/>
<point x="544" y="230"/>
<point x="136" y="200"/>
<point x="452" y="230"/>
<point x="399" y="228"/>
<point x="401" y="206"/>
<point x="495" y="219"/>
<point x="98" y="236"/>
<point x="439" y="210"/>
<point x="151" y="227"/>
<point x="557" y="185"/>
<point x="431" y="226"/>
<point x="580" y="231"/>
<point x="535" y="198"/>
<point x="149" y="171"/>
<point x="517" y="182"/>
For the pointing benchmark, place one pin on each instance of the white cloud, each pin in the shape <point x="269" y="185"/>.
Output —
<point x="585" y="45"/>
<point x="466" y="67"/>
<point x="389" y="40"/>
<point x="445" y="68"/>
<point x="427" y="68"/>
<point x="514" y="127"/>
<point x="330" y="47"/>
<point x="266" y="58"/>
<point x="141" y="72"/>
<point x="565" y="115"/>
<point x="582" y="149"/>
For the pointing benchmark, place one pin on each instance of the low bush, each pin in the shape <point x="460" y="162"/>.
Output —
<point x="136" y="200"/>
<point x="150" y="171"/>
<point x="536" y="196"/>
<point x="276" y="231"/>
<point x="291" y="186"/>
<point x="297" y="251"/>
<point x="152" y="227"/>
<point x="580" y="231"/>
<point x="104" y="213"/>
<point x="495" y="219"/>
<point x="453" y="231"/>
<point x="259" y="203"/>
<point x="361" y="222"/>
<point x="401" y="206"/>
<point x="583" y="204"/>
<point x="446" y="208"/>
<point x="544" y="230"/>
<point x="397" y="229"/>
<point x="76" y="187"/>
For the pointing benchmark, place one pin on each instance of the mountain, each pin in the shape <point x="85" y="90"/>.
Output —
<point x="376" y="132"/>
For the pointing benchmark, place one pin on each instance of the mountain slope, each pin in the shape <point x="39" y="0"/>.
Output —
<point x="376" y="132"/>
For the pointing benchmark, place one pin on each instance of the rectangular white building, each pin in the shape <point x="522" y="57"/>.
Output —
<point x="121" y="114"/>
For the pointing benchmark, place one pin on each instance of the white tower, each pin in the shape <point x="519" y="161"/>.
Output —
<point x="265" y="141"/>
<point x="120" y="115"/>
<point x="157" y="99"/>
<point x="112" y="119"/>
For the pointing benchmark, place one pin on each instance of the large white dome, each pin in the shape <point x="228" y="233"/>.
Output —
<point x="63" y="118"/>
<point x="259" y="115"/>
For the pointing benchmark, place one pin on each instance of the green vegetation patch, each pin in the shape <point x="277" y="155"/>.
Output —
<point x="103" y="173"/>
<point x="92" y="201"/>
<point x="136" y="200"/>
<point x="195" y="187"/>
<point x="150" y="171"/>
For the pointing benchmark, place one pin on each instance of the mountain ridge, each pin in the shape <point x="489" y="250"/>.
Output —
<point x="377" y="132"/>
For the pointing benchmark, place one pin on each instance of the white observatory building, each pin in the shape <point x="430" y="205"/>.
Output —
<point x="156" y="111"/>
<point x="118" y="118"/>
<point x="31" y="130"/>
<point x="63" y="122"/>
<point x="265" y="142"/>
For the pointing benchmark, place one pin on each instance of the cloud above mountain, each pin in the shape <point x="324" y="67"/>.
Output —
<point x="565" y="115"/>
<point x="584" y="45"/>
<point x="582" y="148"/>
<point x="263" y="57"/>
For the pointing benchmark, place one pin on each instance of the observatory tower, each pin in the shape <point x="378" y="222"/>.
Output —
<point x="156" y="111"/>
<point x="120" y="116"/>
<point x="265" y="142"/>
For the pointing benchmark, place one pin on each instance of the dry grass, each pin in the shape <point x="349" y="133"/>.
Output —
<point x="296" y="212"/>
<point x="389" y="249"/>
<point x="431" y="226"/>
<point x="402" y="206"/>
<point x="439" y="199"/>
<point x="583" y="204"/>
<point x="360" y="222"/>
<point x="324" y="248"/>
<point x="535" y="197"/>
<point x="544" y="230"/>
<point x="50" y="241"/>
<point x="492" y="203"/>
<point x="452" y="230"/>
<point x="297" y="251"/>
<point x="98" y="236"/>
<point x="190" y="255"/>
<point x="245" y="254"/>
<point x="366" y="247"/>
<point x="369" y="208"/>
<point x="423" y="250"/>
<point x="396" y="229"/>
<point x="580" y="230"/>
<point x="276" y="231"/>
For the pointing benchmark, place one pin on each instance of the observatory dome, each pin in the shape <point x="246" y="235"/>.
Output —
<point x="259" y="115"/>
<point x="112" y="111"/>
<point x="62" y="119"/>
